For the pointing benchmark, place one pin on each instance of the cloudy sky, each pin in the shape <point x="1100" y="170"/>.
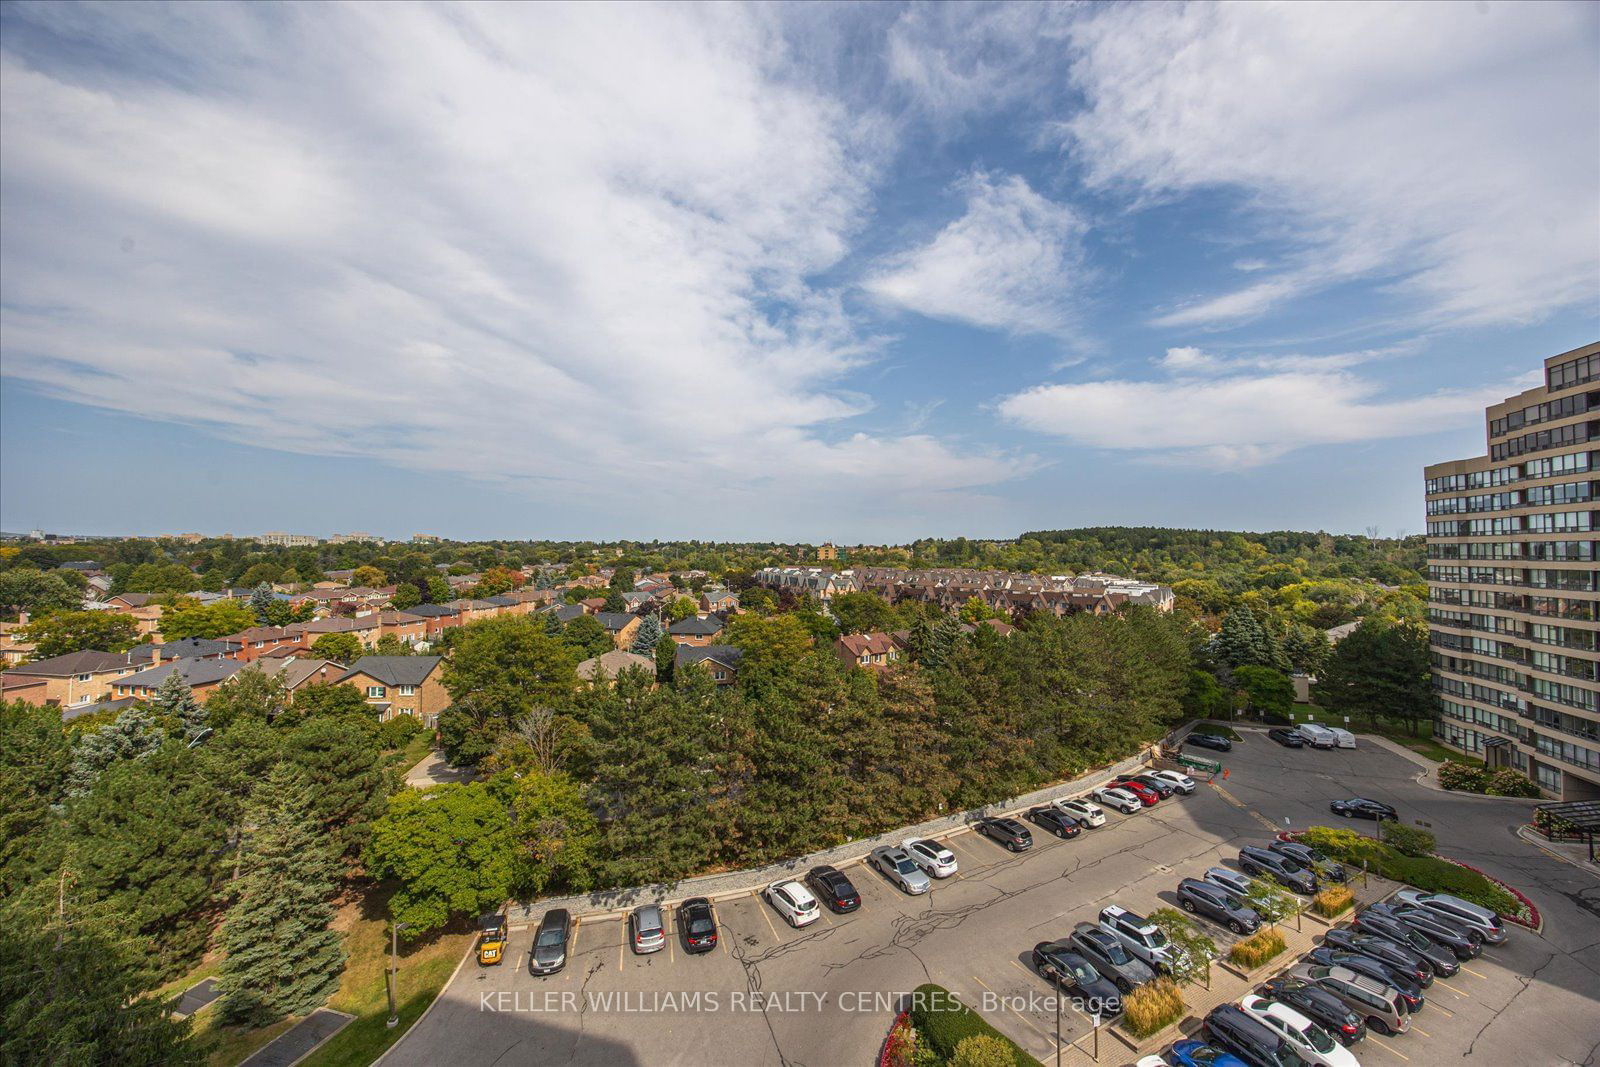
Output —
<point x="859" y="273"/>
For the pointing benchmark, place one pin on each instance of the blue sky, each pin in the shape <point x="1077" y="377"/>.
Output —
<point x="789" y="273"/>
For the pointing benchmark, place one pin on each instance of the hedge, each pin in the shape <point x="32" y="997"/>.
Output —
<point x="1505" y="782"/>
<point x="943" y="1021"/>
<point x="1428" y="873"/>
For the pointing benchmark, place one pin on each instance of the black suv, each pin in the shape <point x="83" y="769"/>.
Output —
<point x="1321" y="1007"/>
<point x="1009" y="832"/>
<point x="1384" y="950"/>
<point x="833" y="889"/>
<point x="1287" y="738"/>
<point x="1216" y="742"/>
<point x="1051" y="818"/>
<point x="1218" y="905"/>
<point x="1441" y="959"/>
<point x="698" y="924"/>
<point x="1232" y="1030"/>
<point x="1464" y="943"/>
<point x="1263" y="861"/>
<point x="1306" y="856"/>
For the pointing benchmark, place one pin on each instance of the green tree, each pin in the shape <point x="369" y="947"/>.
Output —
<point x="648" y="636"/>
<point x="370" y="577"/>
<point x="174" y="701"/>
<point x="1205" y="699"/>
<point x="390" y="645"/>
<point x="132" y="735"/>
<point x="405" y="596"/>
<point x="264" y="604"/>
<point x="341" y="648"/>
<point x="342" y="761"/>
<point x="1246" y="642"/>
<point x="448" y="849"/>
<point x="76" y="631"/>
<point x="497" y="671"/>
<point x="439" y="591"/>
<point x="329" y="700"/>
<point x="864" y="613"/>
<point x="614" y="602"/>
<point x="1306" y="648"/>
<point x="158" y="578"/>
<point x="555" y="833"/>
<point x="681" y="608"/>
<point x="35" y="759"/>
<point x="73" y="980"/>
<point x="1268" y="692"/>
<point x="186" y="617"/>
<point x="666" y="658"/>
<point x="768" y="639"/>
<point x="1382" y="667"/>
<point x="587" y="637"/>
<point x="280" y="957"/>
<point x="36" y="592"/>
<point x="250" y="694"/>
<point x="975" y="611"/>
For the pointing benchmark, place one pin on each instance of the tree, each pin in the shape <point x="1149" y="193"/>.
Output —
<point x="768" y="639"/>
<point x="36" y="592"/>
<point x="439" y="591"/>
<point x="370" y="577"/>
<point x="73" y="980"/>
<point x="587" y="636"/>
<point x="1382" y="667"/>
<point x="1269" y="692"/>
<point x="648" y="635"/>
<point x="132" y="735"/>
<point x="614" y="602"/>
<point x="264" y="604"/>
<point x="174" y="701"/>
<point x="260" y="574"/>
<point x="1191" y="951"/>
<point x="405" y="596"/>
<point x="498" y="670"/>
<point x="186" y="617"/>
<point x="864" y="613"/>
<point x="158" y="578"/>
<point x="681" y="608"/>
<point x="1307" y="648"/>
<point x="1245" y="642"/>
<point x="1205" y="699"/>
<point x="342" y="761"/>
<point x="35" y="758"/>
<point x="976" y="611"/>
<point x="250" y="694"/>
<point x="76" y="631"/>
<point x="1271" y="903"/>
<point x="330" y="700"/>
<point x="341" y="648"/>
<point x="555" y="833"/>
<point x="666" y="657"/>
<point x="449" y="849"/>
<point x="280" y="957"/>
<point x="390" y="645"/>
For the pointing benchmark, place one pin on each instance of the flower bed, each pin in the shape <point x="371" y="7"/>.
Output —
<point x="1333" y="901"/>
<point x="900" y="1045"/>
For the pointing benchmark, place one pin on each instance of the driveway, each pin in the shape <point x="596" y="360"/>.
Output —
<point x="432" y="769"/>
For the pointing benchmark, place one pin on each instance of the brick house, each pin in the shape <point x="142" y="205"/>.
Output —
<point x="68" y="681"/>
<point x="401" y="685"/>
<point x="620" y="625"/>
<point x="405" y="627"/>
<point x="259" y="641"/>
<point x="721" y="660"/>
<point x="201" y="675"/>
<point x="874" y="650"/>
<point x="695" y="632"/>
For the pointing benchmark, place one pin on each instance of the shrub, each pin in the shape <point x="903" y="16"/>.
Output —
<point x="1407" y="840"/>
<point x="1332" y="901"/>
<point x="1434" y="875"/>
<point x="1258" y="948"/>
<point x="1345" y="845"/>
<point x="1456" y="775"/>
<point x="944" y="1022"/>
<point x="1152" y="1006"/>
<point x="1548" y="822"/>
<point x="1507" y="782"/>
<point x="981" y="1050"/>
<point x="397" y="731"/>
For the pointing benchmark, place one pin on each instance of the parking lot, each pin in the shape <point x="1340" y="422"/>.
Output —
<point x="825" y="994"/>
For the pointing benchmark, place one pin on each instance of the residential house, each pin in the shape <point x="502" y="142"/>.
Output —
<point x="718" y="602"/>
<point x="875" y="650"/>
<point x="68" y="681"/>
<point x="201" y="675"/>
<point x="593" y="604"/>
<point x="294" y="672"/>
<point x="405" y="627"/>
<point x="14" y="648"/>
<point x="565" y="613"/>
<point x="721" y="660"/>
<point x="128" y="601"/>
<point x="401" y="685"/>
<point x="440" y="617"/>
<point x="620" y="625"/>
<point x="695" y="631"/>
<point x="364" y="628"/>
<point x="606" y="667"/>
<point x="259" y="641"/>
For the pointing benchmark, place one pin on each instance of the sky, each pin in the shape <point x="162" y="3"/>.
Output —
<point x="860" y="273"/>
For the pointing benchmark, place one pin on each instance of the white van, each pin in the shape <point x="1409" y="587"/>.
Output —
<point x="1346" y="738"/>
<point x="1318" y="736"/>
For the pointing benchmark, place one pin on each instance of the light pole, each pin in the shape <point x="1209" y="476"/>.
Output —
<point x="394" y="970"/>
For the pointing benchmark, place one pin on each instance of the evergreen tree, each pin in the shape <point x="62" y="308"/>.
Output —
<point x="614" y="602"/>
<point x="920" y="639"/>
<point x="341" y="760"/>
<point x="943" y="639"/>
<point x="133" y="734"/>
<point x="281" y="957"/>
<point x="1245" y="641"/>
<point x="648" y="634"/>
<point x="666" y="658"/>
<point x="261" y="602"/>
<point x="1306" y="648"/>
<point x="35" y="758"/>
<point x="174" y="700"/>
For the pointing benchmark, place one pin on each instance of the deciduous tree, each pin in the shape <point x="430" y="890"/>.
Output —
<point x="76" y="631"/>
<point x="339" y="647"/>
<point x="449" y="850"/>
<point x="186" y="617"/>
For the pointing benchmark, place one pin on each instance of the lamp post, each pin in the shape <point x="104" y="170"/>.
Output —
<point x="394" y="970"/>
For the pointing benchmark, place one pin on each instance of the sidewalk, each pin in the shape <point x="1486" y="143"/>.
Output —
<point x="433" y="770"/>
<point x="300" y="1040"/>
<point x="1573" y="852"/>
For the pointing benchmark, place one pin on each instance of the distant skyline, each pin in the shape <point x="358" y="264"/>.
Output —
<point x="778" y="273"/>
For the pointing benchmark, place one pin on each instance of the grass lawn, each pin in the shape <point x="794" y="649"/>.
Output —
<point x="413" y="752"/>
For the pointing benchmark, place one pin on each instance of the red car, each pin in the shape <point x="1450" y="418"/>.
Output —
<point x="1147" y="796"/>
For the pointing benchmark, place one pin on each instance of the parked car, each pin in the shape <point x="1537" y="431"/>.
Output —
<point x="1310" y="1041"/>
<point x="1052" y="819"/>
<point x="1313" y="858"/>
<point x="1345" y="737"/>
<point x="1162" y="790"/>
<point x="901" y="869"/>
<point x="1063" y="964"/>
<point x="1181" y="782"/>
<point x="1379" y="1003"/>
<point x="932" y="856"/>
<point x="1321" y="1007"/>
<point x="1087" y="814"/>
<point x="1234" y="882"/>
<point x="1109" y="957"/>
<point x="1139" y="935"/>
<point x="794" y="902"/>
<point x="1362" y="808"/>
<point x="1402" y="959"/>
<point x="1465" y="943"/>
<point x="1317" y="736"/>
<point x="1266" y="863"/>
<point x="1147" y="797"/>
<point x="832" y="888"/>
<point x="1408" y="987"/>
<point x="1286" y="737"/>
<point x="1440" y="958"/>
<point x="1118" y="799"/>
<point x="1230" y="1027"/>
<point x="492" y="938"/>
<point x="1215" y="742"/>
<point x="1461" y="912"/>
<point x="1199" y="1054"/>
<point x="697" y="922"/>
<point x="549" y="952"/>
<point x="1008" y="832"/>
<point x="1218" y="905"/>
<point x="647" y="929"/>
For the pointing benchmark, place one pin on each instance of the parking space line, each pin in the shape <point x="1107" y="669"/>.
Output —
<point x="1420" y="1030"/>
<point x="1391" y="1048"/>
<point x="761" y="907"/>
<point x="577" y="925"/>
<point x="1031" y="1024"/>
<point x="1485" y="955"/>
<point x="1440" y="1007"/>
<point x="1440" y="983"/>
<point x="1469" y="970"/>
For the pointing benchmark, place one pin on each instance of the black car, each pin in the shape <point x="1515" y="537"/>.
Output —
<point x="549" y="952"/>
<point x="1063" y="964"/>
<point x="1409" y="988"/>
<point x="1049" y="817"/>
<point x="1287" y="738"/>
<point x="1230" y="1028"/>
<point x="1009" y="832"/>
<point x="698" y="925"/>
<point x="1441" y="959"/>
<point x="1362" y="808"/>
<point x="1263" y="862"/>
<point x="1306" y="856"/>
<point x="1464" y="943"/>
<point x="1409" y="963"/>
<point x="1163" y="788"/>
<point x="1321" y="1007"/>
<point x="833" y="889"/>
<point x="1212" y="741"/>
<point x="1218" y="905"/>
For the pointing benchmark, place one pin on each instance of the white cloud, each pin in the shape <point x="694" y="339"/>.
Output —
<point x="1229" y="414"/>
<point x="1013" y="261"/>
<point x="539" y="244"/>
<point x="1452" y="147"/>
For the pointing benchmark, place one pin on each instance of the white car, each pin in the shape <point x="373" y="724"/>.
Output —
<point x="1310" y="1041"/>
<point x="794" y="902"/>
<point x="1181" y="782"/>
<point x="1152" y="1061"/>
<point x="930" y="855"/>
<point x="1139" y="936"/>
<point x="1086" y="813"/>
<point x="1346" y="738"/>
<point x="1117" y="799"/>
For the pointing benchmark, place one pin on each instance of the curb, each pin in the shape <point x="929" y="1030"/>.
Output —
<point x="1542" y="845"/>
<point x="472" y="946"/>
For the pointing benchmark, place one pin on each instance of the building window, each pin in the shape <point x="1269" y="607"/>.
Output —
<point x="375" y="692"/>
<point x="408" y="690"/>
<point x="81" y="678"/>
<point x="1547" y="777"/>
